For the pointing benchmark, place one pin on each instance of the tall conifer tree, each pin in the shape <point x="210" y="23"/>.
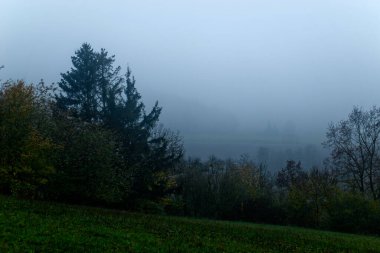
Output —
<point x="91" y="85"/>
<point x="94" y="91"/>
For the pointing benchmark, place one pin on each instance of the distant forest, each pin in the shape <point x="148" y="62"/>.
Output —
<point x="90" y="140"/>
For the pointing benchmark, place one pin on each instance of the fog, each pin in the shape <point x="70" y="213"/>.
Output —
<point x="231" y="76"/>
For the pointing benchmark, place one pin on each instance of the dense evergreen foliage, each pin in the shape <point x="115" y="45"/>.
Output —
<point x="94" y="92"/>
<point x="92" y="85"/>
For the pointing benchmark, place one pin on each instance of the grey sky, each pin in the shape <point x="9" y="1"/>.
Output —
<point x="239" y="64"/>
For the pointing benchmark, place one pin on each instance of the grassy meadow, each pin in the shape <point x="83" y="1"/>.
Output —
<point x="32" y="226"/>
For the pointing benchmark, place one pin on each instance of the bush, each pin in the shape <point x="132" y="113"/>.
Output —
<point x="173" y="205"/>
<point x="350" y="212"/>
<point x="148" y="206"/>
<point x="264" y="209"/>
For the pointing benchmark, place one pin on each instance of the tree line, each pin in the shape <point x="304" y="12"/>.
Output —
<point x="90" y="140"/>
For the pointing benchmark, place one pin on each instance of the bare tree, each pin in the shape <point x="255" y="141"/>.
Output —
<point x="355" y="150"/>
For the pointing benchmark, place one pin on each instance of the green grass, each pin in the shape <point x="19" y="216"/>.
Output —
<point x="28" y="226"/>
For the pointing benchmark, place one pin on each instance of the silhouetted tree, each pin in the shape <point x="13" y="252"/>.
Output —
<point x="291" y="176"/>
<point x="355" y="144"/>
<point x="93" y="91"/>
<point x="135" y="125"/>
<point x="91" y="87"/>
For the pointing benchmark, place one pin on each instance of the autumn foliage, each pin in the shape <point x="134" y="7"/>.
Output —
<point x="25" y="161"/>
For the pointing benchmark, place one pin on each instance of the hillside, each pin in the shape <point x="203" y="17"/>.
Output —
<point x="28" y="226"/>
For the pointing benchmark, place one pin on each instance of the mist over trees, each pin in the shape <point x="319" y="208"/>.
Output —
<point x="92" y="141"/>
<point x="355" y="150"/>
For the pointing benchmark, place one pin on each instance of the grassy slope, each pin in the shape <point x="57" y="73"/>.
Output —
<point x="27" y="226"/>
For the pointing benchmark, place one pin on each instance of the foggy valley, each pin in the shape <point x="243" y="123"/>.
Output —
<point x="226" y="73"/>
<point x="148" y="115"/>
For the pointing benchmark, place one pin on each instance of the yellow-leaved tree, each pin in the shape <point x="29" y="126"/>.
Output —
<point x="25" y="148"/>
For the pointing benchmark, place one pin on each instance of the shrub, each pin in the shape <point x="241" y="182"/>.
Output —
<point x="350" y="212"/>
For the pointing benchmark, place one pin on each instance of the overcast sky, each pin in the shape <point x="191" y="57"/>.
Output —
<point x="234" y="64"/>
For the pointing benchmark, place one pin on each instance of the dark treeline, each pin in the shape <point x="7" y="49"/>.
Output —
<point x="241" y="190"/>
<point x="91" y="141"/>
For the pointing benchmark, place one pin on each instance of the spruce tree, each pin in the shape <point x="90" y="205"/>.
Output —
<point x="93" y="91"/>
<point x="91" y="85"/>
<point x="137" y="126"/>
